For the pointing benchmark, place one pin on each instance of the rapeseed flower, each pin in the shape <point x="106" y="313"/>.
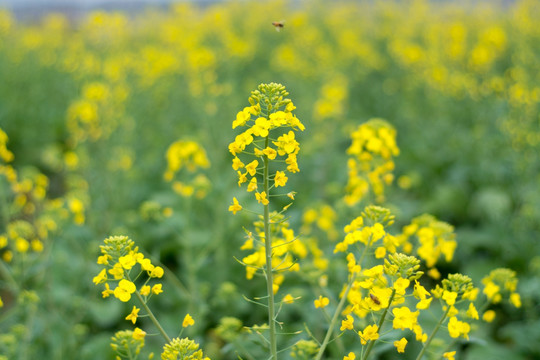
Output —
<point x="371" y="332"/>
<point x="404" y="318"/>
<point x="188" y="321"/>
<point x="400" y="345"/>
<point x="133" y="315"/>
<point x="321" y="302"/>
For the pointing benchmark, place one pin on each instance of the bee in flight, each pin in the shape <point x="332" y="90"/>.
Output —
<point x="279" y="25"/>
<point x="375" y="299"/>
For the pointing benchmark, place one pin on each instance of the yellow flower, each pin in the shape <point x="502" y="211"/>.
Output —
<point x="280" y="179"/>
<point x="188" y="321"/>
<point x="242" y="178"/>
<point x="470" y="295"/>
<point x="351" y="356"/>
<point x="347" y="324"/>
<point x="424" y="304"/>
<point x="400" y="345"/>
<point x="103" y="260"/>
<point x="420" y="335"/>
<point x="133" y="315"/>
<point x="491" y="290"/>
<point x="404" y="318"/>
<point x="488" y="316"/>
<point x="288" y="299"/>
<point x="156" y="289"/>
<point x="449" y="355"/>
<point x="127" y="261"/>
<point x="146" y="265"/>
<point x="261" y="198"/>
<point x="237" y="164"/>
<point x="434" y="273"/>
<point x="107" y="292"/>
<point x="449" y="297"/>
<point x="252" y="186"/>
<point x="457" y="328"/>
<point x="101" y="277"/>
<point x="371" y="332"/>
<point x="321" y="302"/>
<point x="401" y="285"/>
<point x="472" y="312"/>
<point x="241" y="118"/>
<point x="157" y="272"/>
<point x="515" y="299"/>
<point x="261" y="127"/>
<point x="124" y="290"/>
<point x="251" y="168"/>
<point x="271" y="153"/>
<point x="138" y="334"/>
<point x="117" y="271"/>
<point x="452" y="311"/>
<point x="380" y="252"/>
<point x="145" y="290"/>
<point x="235" y="207"/>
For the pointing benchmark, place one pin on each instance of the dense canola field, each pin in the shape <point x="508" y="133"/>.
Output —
<point x="406" y="144"/>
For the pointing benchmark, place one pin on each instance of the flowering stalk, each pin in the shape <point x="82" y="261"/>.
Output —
<point x="266" y="146"/>
<point x="269" y="274"/>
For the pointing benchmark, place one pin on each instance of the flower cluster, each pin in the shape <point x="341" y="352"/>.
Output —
<point x="266" y="139"/>
<point x="454" y="290"/>
<point x="120" y="259"/>
<point x="29" y="215"/>
<point x="371" y="163"/>
<point x="501" y="284"/>
<point x="127" y="343"/>
<point x="189" y="155"/>
<point x="430" y="239"/>
<point x="391" y="287"/>
<point x="97" y="113"/>
<point x="368" y="230"/>
<point x="179" y="349"/>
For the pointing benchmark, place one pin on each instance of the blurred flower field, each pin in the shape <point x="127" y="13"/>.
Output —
<point x="117" y="126"/>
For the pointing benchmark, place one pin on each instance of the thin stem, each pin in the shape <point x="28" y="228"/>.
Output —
<point x="379" y="325"/>
<point x="149" y="312"/>
<point x="269" y="274"/>
<point x="153" y="318"/>
<point x="334" y="318"/>
<point x="430" y="338"/>
<point x="338" y="309"/>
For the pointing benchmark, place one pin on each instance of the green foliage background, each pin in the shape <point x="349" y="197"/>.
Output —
<point x="464" y="99"/>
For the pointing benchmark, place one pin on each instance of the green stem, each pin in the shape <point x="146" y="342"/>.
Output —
<point x="379" y="325"/>
<point x="335" y="318"/>
<point x="430" y="338"/>
<point x="269" y="274"/>
<point x="338" y="310"/>
<point x="152" y="317"/>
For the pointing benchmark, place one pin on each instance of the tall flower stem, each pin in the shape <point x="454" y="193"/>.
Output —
<point x="430" y="338"/>
<point x="379" y="325"/>
<point x="269" y="274"/>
